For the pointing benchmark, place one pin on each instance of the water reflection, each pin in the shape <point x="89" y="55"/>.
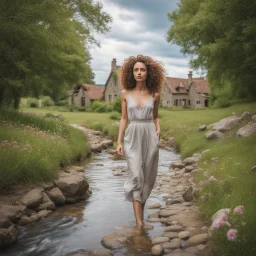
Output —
<point x="80" y="227"/>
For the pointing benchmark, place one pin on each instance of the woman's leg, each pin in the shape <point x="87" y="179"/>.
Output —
<point x="143" y="205"/>
<point x="137" y="207"/>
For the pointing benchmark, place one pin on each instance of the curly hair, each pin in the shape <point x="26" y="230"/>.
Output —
<point x="155" y="73"/>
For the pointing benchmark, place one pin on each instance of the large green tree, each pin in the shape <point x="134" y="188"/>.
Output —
<point x="219" y="37"/>
<point x="44" y="45"/>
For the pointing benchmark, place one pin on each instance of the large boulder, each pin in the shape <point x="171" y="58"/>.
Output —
<point x="33" y="198"/>
<point x="72" y="185"/>
<point x="247" y="130"/>
<point x="212" y="135"/>
<point x="13" y="212"/>
<point x="226" y="124"/>
<point x="56" y="196"/>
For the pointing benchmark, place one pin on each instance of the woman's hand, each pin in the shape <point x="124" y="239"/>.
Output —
<point x="119" y="149"/>
<point x="158" y="133"/>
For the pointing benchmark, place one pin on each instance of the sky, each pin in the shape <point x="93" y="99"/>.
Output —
<point x="138" y="27"/>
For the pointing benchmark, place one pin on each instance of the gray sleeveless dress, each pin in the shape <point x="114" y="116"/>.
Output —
<point x="141" y="150"/>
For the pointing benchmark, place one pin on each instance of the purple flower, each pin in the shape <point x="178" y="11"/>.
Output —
<point x="239" y="209"/>
<point x="231" y="234"/>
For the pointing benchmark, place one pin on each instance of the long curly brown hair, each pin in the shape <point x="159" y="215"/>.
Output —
<point x="155" y="73"/>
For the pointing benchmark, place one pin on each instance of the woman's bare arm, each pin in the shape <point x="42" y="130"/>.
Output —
<point x="155" y="113"/>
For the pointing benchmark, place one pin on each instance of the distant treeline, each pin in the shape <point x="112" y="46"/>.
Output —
<point x="44" y="46"/>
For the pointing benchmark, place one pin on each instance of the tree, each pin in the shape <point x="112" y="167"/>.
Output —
<point x="219" y="37"/>
<point x="44" y="46"/>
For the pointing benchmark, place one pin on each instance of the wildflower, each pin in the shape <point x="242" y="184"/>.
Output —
<point x="212" y="178"/>
<point x="231" y="234"/>
<point x="206" y="174"/>
<point x="221" y="223"/>
<point x="239" y="209"/>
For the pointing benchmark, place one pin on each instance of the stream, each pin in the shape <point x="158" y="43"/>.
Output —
<point x="80" y="227"/>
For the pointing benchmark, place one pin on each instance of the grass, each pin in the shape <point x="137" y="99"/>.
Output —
<point x="33" y="148"/>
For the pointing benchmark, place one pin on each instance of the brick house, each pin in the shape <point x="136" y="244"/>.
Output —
<point x="179" y="92"/>
<point x="84" y="94"/>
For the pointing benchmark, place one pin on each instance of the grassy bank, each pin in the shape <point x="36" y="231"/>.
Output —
<point x="33" y="148"/>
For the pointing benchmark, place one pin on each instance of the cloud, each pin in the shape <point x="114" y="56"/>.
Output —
<point x="138" y="27"/>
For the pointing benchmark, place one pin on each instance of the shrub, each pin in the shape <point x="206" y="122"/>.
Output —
<point x="61" y="103"/>
<point x="115" y="115"/>
<point x="47" y="101"/>
<point x="32" y="102"/>
<point x="116" y="103"/>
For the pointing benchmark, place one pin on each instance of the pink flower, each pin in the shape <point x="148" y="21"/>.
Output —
<point x="212" y="178"/>
<point x="239" y="209"/>
<point x="231" y="234"/>
<point x="206" y="174"/>
<point x="221" y="223"/>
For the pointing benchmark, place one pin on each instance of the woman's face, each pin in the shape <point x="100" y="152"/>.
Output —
<point x="140" y="71"/>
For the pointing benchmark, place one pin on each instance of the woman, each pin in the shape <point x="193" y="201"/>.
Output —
<point x="142" y="79"/>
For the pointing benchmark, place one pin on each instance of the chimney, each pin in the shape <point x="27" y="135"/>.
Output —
<point x="113" y="64"/>
<point x="190" y="77"/>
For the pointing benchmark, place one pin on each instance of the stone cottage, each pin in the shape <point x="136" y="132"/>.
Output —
<point x="180" y="92"/>
<point x="84" y="94"/>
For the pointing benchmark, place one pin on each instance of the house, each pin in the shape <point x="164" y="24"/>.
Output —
<point x="180" y="92"/>
<point x="84" y="94"/>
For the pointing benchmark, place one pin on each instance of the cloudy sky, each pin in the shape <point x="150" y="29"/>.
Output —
<point x="138" y="27"/>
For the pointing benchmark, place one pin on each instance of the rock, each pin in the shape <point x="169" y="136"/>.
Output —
<point x="72" y="185"/>
<point x="35" y="217"/>
<point x="170" y="235"/>
<point x="254" y="118"/>
<point x="153" y="219"/>
<point x="111" y="151"/>
<point x="157" y="250"/>
<point x="197" y="239"/>
<point x="253" y="168"/>
<point x="246" y="115"/>
<point x="177" y="165"/>
<point x="8" y="236"/>
<point x="247" y="130"/>
<point x="189" y="168"/>
<point x="154" y="206"/>
<point x="167" y="213"/>
<point x="189" y="160"/>
<point x="47" y="185"/>
<point x="158" y="240"/>
<point x="113" y="241"/>
<point x="202" y="128"/>
<point x="188" y="194"/>
<point x="77" y="168"/>
<point x="24" y="220"/>
<point x="107" y="143"/>
<point x="173" y="201"/>
<point x="102" y="252"/>
<point x="174" y="228"/>
<point x="56" y="196"/>
<point x="46" y="206"/>
<point x="221" y="214"/>
<point x="4" y="221"/>
<point x="33" y="198"/>
<point x="212" y="135"/>
<point x="173" y="244"/>
<point x="13" y="212"/>
<point x="184" y="235"/>
<point x="181" y="254"/>
<point x="43" y="213"/>
<point x="227" y="123"/>
<point x="96" y="148"/>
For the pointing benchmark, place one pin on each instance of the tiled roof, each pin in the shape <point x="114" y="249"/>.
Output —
<point x="93" y="92"/>
<point x="173" y="83"/>
<point x="201" y="85"/>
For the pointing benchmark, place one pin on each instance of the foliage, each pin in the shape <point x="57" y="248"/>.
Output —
<point x="47" y="101"/>
<point x="115" y="116"/>
<point x="117" y="104"/>
<point x="44" y="46"/>
<point x="219" y="38"/>
<point x="32" y="102"/>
